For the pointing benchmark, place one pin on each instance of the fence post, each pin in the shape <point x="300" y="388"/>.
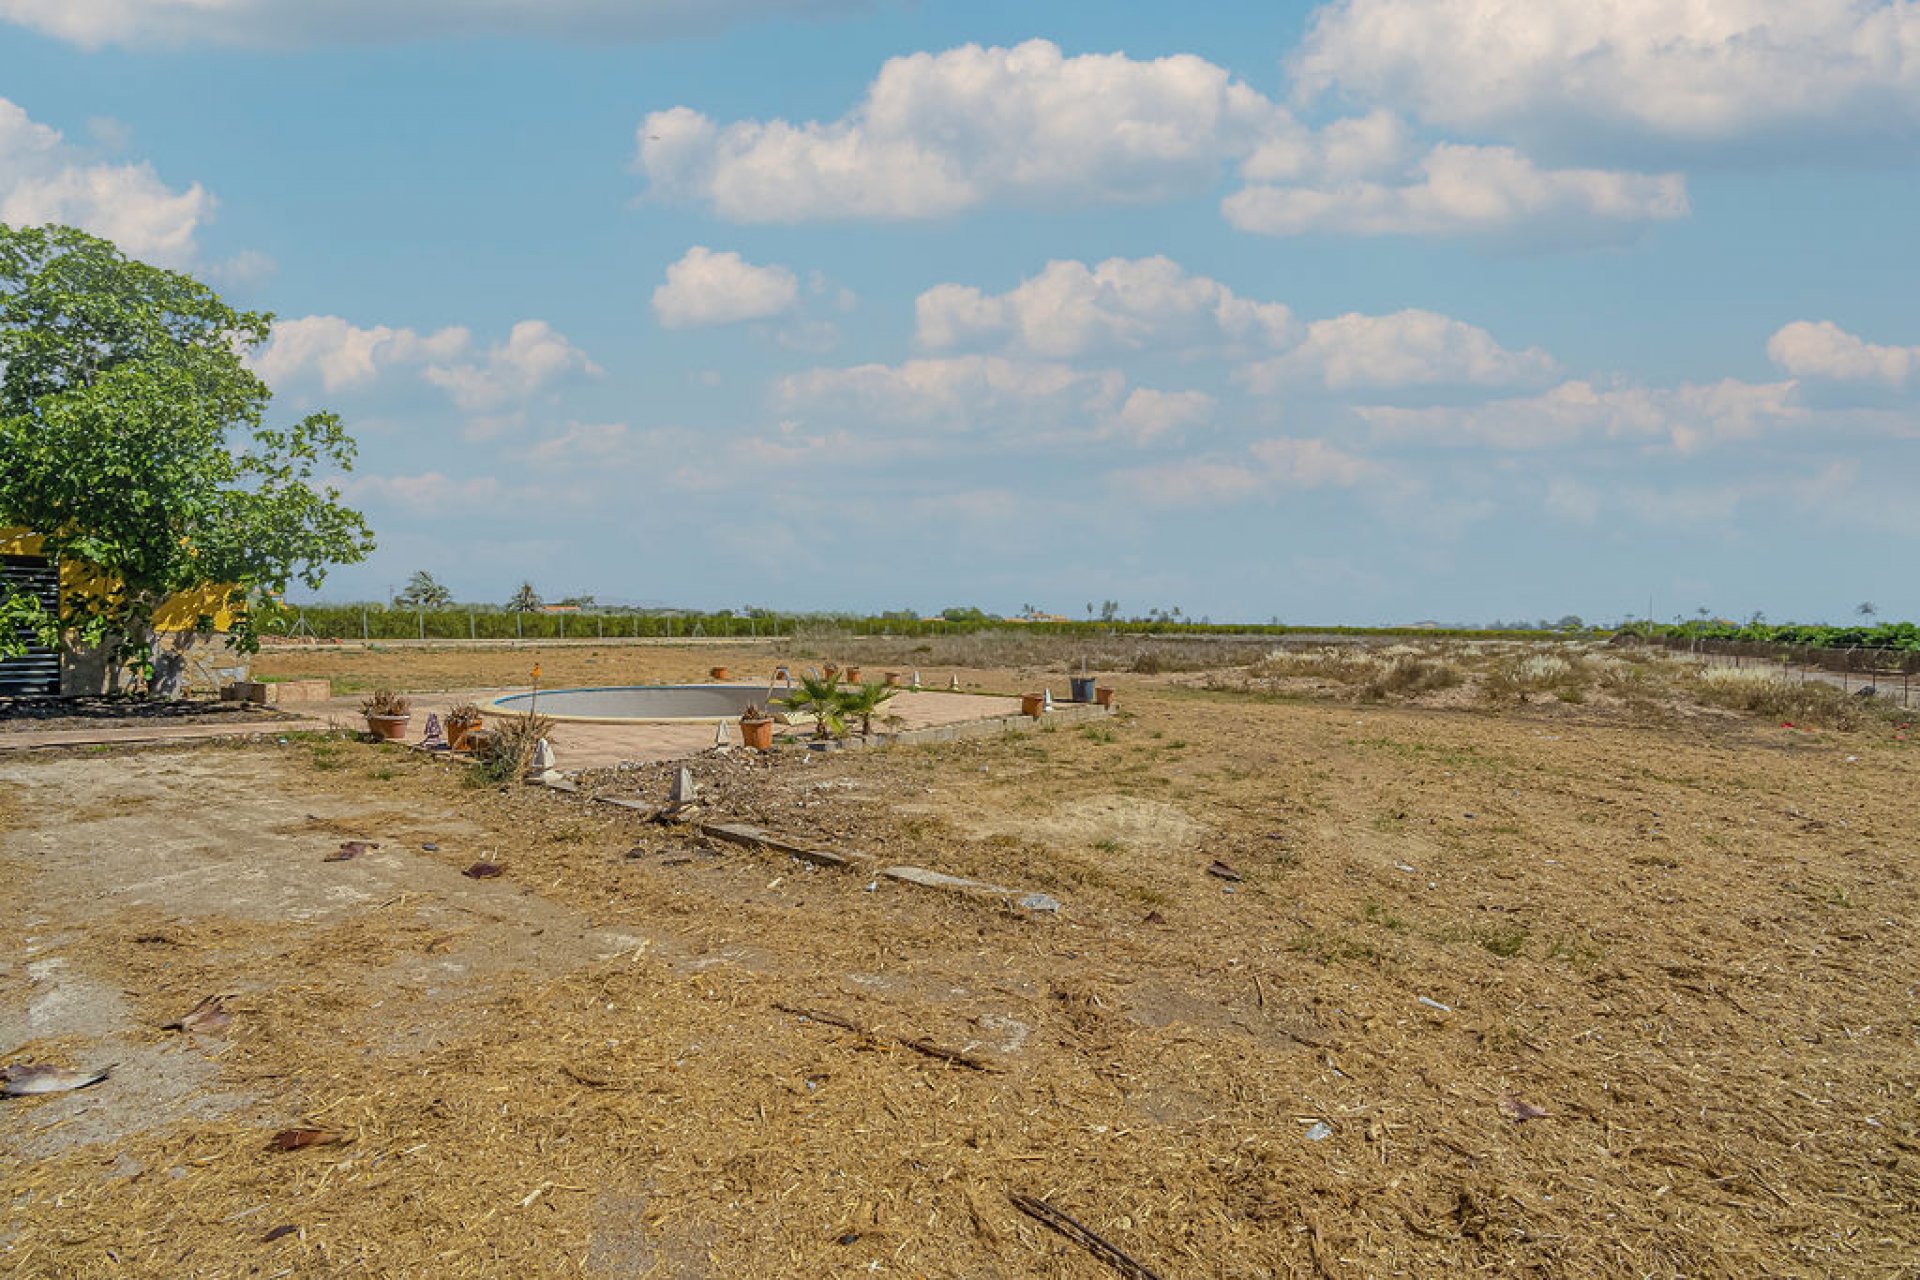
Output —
<point x="519" y="632"/>
<point x="420" y="623"/>
<point x="363" y="625"/>
<point x="473" y="628"/>
<point x="600" y="625"/>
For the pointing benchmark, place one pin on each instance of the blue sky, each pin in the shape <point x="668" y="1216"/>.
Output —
<point x="1362" y="311"/>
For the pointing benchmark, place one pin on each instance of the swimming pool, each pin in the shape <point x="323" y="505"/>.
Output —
<point x="640" y="702"/>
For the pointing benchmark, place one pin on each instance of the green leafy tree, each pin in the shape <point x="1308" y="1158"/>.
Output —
<point x="525" y="600"/>
<point x="423" y="591"/>
<point x="135" y="439"/>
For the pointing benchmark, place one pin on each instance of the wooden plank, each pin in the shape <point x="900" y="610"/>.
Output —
<point x="752" y="837"/>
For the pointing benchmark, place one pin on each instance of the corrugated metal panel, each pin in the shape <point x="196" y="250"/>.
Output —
<point x="37" y="673"/>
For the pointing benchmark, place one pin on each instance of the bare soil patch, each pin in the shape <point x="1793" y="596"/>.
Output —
<point x="37" y="715"/>
<point x="1687" y="942"/>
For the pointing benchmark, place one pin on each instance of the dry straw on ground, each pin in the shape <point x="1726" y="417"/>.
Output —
<point x="1682" y="937"/>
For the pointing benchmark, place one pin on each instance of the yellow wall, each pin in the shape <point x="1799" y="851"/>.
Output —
<point x="177" y="613"/>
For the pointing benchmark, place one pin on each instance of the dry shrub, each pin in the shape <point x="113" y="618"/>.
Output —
<point x="1343" y="665"/>
<point x="1764" y="692"/>
<point x="1528" y="673"/>
<point x="1408" y="677"/>
<point x="508" y="749"/>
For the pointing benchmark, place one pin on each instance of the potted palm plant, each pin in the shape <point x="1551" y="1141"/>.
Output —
<point x="387" y="714"/>
<point x="461" y="723"/>
<point x="756" y="728"/>
<point x="819" y="697"/>
<point x="865" y="702"/>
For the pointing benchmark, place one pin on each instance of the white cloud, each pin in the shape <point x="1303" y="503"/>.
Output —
<point x="138" y="23"/>
<point x="1455" y="190"/>
<point x="1405" y="349"/>
<point x="1148" y="414"/>
<point x="1807" y="349"/>
<point x="958" y="393"/>
<point x="581" y="441"/>
<point x="1282" y="462"/>
<point x="428" y="493"/>
<point x="534" y="355"/>
<point x="1686" y="418"/>
<point x="1691" y="70"/>
<point x="346" y="356"/>
<point x="1070" y="309"/>
<point x="1190" y="482"/>
<point x="708" y="288"/>
<point x="1310" y="464"/>
<point x="43" y="179"/>
<point x="941" y="133"/>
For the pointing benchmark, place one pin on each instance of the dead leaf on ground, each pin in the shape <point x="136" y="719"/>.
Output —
<point x="1519" y="1110"/>
<point x="298" y="1139"/>
<point x="482" y="871"/>
<point x="209" y="1017"/>
<point x="23" y="1079"/>
<point x="1224" y="871"/>
<point x="350" y="849"/>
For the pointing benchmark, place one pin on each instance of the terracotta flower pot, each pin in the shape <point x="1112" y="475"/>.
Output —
<point x="1103" y="695"/>
<point x="1032" y="704"/>
<point x="388" y="728"/>
<point x="460" y="733"/>
<point x="757" y="734"/>
<point x="893" y="679"/>
<point x="717" y="673"/>
<point x="852" y="675"/>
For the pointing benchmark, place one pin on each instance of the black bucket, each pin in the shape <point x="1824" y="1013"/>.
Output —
<point x="1082" y="687"/>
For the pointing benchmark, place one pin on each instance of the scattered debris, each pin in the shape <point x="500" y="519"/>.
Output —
<point x="350" y="849"/>
<point x="298" y="1139"/>
<point x="1224" y="871"/>
<point x="482" y="871"/>
<point x="24" y="1079"/>
<point x="1025" y="900"/>
<point x="1320" y="1131"/>
<point x="927" y="1047"/>
<point x="280" y="1232"/>
<point x="1154" y="917"/>
<point x="430" y="847"/>
<point x="1519" y="1110"/>
<point x="209" y="1017"/>
<point x="1435" y="1004"/>
<point x="1078" y="1232"/>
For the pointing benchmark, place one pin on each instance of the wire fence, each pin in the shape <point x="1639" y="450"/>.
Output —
<point x="1888" y="673"/>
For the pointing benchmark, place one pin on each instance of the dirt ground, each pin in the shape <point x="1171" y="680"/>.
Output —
<point x="1545" y="990"/>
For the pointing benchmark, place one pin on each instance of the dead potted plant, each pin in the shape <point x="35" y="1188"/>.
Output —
<point x="461" y="723"/>
<point x="387" y="714"/>
<point x="756" y="728"/>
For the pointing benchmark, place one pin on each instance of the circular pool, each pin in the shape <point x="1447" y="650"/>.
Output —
<point x="640" y="702"/>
